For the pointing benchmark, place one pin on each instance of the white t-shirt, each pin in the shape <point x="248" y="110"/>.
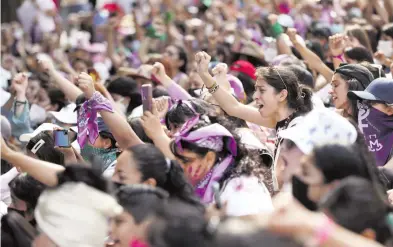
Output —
<point x="245" y="195"/>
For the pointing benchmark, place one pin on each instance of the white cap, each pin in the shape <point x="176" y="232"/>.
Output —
<point x="41" y="128"/>
<point x="320" y="127"/>
<point x="285" y="21"/>
<point x="66" y="115"/>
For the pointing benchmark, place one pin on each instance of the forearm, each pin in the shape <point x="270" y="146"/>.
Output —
<point x="120" y="129"/>
<point x="20" y="104"/>
<point x="226" y="101"/>
<point x="43" y="171"/>
<point x="70" y="90"/>
<point x="162" y="142"/>
<point x="177" y="92"/>
<point x="282" y="46"/>
<point x="116" y="60"/>
<point x="314" y="62"/>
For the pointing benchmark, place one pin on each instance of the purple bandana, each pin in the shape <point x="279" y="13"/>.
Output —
<point x="87" y="118"/>
<point x="377" y="128"/>
<point x="211" y="137"/>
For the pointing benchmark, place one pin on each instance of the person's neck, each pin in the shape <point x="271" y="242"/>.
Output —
<point x="348" y="112"/>
<point x="284" y="113"/>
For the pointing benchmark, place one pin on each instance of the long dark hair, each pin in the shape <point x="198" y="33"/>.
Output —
<point x="141" y="201"/>
<point x="126" y="87"/>
<point x="355" y="206"/>
<point x="47" y="152"/>
<point x="299" y="96"/>
<point x="168" y="174"/>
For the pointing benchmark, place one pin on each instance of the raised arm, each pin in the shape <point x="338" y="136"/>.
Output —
<point x="70" y="90"/>
<point x="116" y="123"/>
<point x="43" y="171"/>
<point x="226" y="101"/>
<point x="310" y="57"/>
<point x="174" y="90"/>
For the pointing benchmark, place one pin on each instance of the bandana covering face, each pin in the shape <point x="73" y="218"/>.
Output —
<point x="107" y="156"/>
<point x="377" y="128"/>
<point x="87" y="118"/>
<point x="211" y="137"/>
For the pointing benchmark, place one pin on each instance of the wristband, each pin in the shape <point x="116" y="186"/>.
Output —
<point x="322" y="233"/>
<point x="17" y="102"/>
<point x="341" y="57"/>
<point x="208" y="88"/>
<point x="214" y="89"/>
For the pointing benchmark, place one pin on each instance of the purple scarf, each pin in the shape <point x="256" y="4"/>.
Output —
<point x="377" y="128"/>
<point x="211" y="137"/>
<point x="87" y="118"/>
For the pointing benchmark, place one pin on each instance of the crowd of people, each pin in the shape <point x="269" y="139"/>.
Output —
<point x="268" y="123"/>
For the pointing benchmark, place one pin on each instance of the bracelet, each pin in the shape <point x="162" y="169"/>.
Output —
<point x="17" y="102"/>
<point x="213" y="89"/>
<point x="341" y="57"/>
<point x="322" y="233"/>
<point x="208" y="88"/>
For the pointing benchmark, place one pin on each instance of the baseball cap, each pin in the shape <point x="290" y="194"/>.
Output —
<point x="66" y="115"/>
<point x="43" y="127"/>
<point x="358" y="72"/>
<point x="244" y="67"/>
<point x="320" y="127"/>
<point x="380" y="89"/>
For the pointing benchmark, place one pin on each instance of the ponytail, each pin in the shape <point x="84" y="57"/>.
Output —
<point x="304" y="101"/>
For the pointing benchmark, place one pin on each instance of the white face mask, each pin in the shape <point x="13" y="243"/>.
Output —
<point x="386" y="47"/>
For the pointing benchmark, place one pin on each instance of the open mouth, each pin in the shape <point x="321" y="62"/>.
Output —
<point x="260" y="106"/>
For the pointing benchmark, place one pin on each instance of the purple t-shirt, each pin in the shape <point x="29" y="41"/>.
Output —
<point x="377" y="128"/>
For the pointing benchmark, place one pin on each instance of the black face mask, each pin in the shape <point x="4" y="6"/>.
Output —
<point x="299" y="191"/>
<point x="191" y="92"/>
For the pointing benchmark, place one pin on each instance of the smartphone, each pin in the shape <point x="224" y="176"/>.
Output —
<point x="147" y="97"/>
<point x="216" y="191"/>
<point x="61" y="138"/>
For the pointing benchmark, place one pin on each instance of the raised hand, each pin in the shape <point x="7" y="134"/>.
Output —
<point x="19" y="84"/>
<point x="220" y="70"/>
<point x="151" y="123"/>
<point x="46" y="65"/>
<point x="162" y="106"/>
<point x="292" y="33"/>
<point x="158" y="70"/>
<point x="202" y="59"/>
<point x="337" y="44"/>
<point x="86" y="84"/>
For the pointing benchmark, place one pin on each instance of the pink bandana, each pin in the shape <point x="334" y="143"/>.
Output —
<point x="87" y="118"/>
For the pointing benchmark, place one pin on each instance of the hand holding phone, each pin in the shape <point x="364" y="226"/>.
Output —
<point x="147" y="97"/>
<point x="61" y="138"/>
